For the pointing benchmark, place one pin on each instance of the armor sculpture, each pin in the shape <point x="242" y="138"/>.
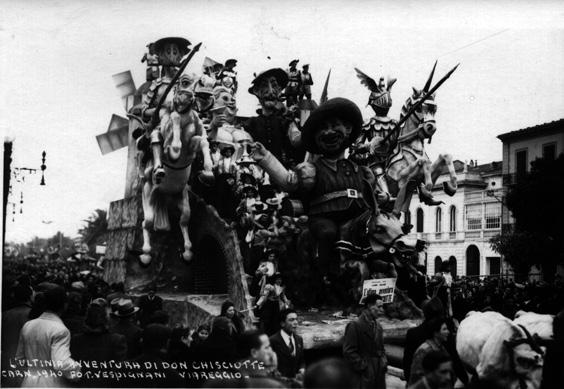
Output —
<point x="294" y="82"/>
<point x="370" y="149"/>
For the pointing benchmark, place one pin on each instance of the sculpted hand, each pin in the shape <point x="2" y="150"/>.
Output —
<point x="218" y="120"/>
<point x="258" y="151"/>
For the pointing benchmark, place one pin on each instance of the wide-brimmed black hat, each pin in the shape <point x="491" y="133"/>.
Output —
<point x="339" y="107"/>
<point x="293" y="62"/>
<point x="231" y="61"/>
<point x="181" y="42"/>
<point x="280" y="75"/>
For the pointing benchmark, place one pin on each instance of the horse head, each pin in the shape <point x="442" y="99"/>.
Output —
<point x="387" y="239"/>
<point x="420" y="124"/>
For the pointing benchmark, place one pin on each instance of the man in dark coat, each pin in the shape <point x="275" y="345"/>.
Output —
<point x="149" y="304"/>
<point x="125" y="313"/>
<point x="363" y="345"/>
<point x="289" y="346"/>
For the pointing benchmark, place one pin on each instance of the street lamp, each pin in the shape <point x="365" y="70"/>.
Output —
<point x="43" y="167"/>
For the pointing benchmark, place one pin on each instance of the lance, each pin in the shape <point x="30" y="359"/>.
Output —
<point x="324" y="93"/>
<point x="155" y="117"/>
<point x="415" y="106"/>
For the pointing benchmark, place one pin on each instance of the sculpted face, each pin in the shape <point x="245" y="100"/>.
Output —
<point x="183" y="95"/>
<point x="268" y="92"/>
<point x="171" y="55"/>
<point x="332" y="138"/>
<point x="225" y="104"/>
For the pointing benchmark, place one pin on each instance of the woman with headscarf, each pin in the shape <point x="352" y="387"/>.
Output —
<point x="236" y="322"/>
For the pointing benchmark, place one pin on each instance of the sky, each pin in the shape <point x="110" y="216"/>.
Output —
<point x="58" y="58"/>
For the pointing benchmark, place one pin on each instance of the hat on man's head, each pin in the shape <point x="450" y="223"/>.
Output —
<point x="231" y="61"/>
<point x="280" y="75"/>
<point x="124" y="308"/>
<point x="339" y="107"/>
<point x="180" y="42"/>
<point x="293" y="62"/>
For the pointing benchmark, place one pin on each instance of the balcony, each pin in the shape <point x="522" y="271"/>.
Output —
<point x="513" y="178"/>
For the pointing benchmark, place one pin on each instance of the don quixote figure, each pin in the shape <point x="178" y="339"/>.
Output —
<point x="175" y="133"/>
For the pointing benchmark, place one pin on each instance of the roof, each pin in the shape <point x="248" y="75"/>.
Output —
<point x="486" y="168"/>
<point x="493" y="167"/>
<point x="550" y="127"/>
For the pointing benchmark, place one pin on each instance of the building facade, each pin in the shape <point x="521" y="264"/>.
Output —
<point x="458" y="231"/>
<point x="522" y="147"/>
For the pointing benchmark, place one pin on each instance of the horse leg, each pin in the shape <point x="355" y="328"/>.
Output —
<point x="405" y="175"/>
<point x="205" y="147"/>
<point x="176" y="143"/>
<point x="448" y="187"/>
<point x="157" y="149"/>
<point x="426" y="167"/>
<point x="148" y="220"/>
<point x="185" y="211"/>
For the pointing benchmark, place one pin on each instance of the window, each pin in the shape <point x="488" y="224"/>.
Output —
<point x="474" y="217"/>
<point x="549" y="151"/>
<point x="438" y="263"/>
<point x="493" y="215"/>
<point x="438" y="220"/>
<point x="521" y="163"/>
<point x="453" y="218"/>
<point x="407" y="217"/>
<point x="419" y="220"/>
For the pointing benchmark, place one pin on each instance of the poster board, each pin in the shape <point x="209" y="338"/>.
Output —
<point x="381" y="286"/>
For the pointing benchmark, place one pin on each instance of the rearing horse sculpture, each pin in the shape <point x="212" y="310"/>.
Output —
<point x="184" y="136"/>
<point x="409" y="166"/>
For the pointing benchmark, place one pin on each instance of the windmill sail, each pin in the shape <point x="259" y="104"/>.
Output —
<point x="116" y="137"/>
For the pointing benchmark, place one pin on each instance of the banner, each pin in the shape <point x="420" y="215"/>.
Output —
<point x="381" y="286"/>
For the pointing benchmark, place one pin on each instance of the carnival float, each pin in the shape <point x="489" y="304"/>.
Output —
<point x="301" y="204"/>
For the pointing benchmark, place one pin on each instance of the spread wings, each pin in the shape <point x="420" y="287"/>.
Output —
<point x="366" y="80"/>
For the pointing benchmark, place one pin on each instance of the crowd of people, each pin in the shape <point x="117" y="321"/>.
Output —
<point x="507" y="296"/>
<point x="64" y="313"/>
<point x="79" y="326"/>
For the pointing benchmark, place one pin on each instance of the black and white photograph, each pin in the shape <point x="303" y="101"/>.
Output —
<point x="293" y="194"/>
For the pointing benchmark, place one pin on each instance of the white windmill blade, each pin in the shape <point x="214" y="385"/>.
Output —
<point x="126" y="87"/>
<point x="116" y="137"/>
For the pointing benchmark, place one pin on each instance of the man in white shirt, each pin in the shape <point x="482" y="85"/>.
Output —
<point x="289" y="346"/>
<point x="47" y="339"/>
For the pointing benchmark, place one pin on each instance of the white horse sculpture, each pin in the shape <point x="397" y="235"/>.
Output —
<point x="409" y="161"/>
<point x="183" y="136"/>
